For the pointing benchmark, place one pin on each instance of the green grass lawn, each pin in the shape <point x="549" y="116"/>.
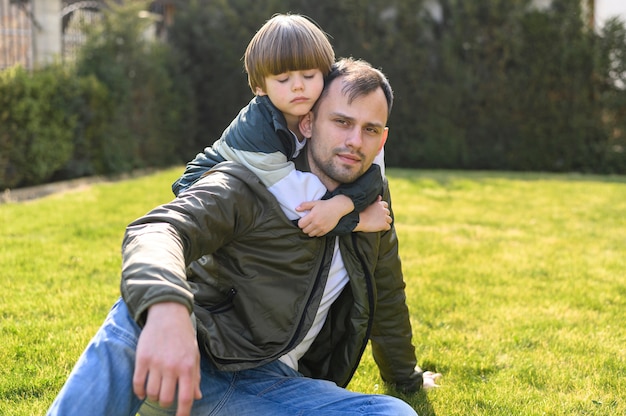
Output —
<point x="516" y="284"/>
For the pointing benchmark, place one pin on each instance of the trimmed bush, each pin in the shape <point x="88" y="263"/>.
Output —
<point x="36" y="131"/>
<point x="490" y="84"/>
<point x="147" y="119"/>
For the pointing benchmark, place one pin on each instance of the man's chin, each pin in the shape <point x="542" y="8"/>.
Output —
<point x="347" y="176"/>
<point x="341" y="172"/>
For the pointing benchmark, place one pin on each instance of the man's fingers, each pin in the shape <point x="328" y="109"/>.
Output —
<point x="139" y="381"/>
<point x="430" y="379"/>
<point x="167" y="392"/>
<point x="167" y="355"/>
<point x="434" y="376"/>
<point x="153" y="386"/>
<point x="188" y="388"/>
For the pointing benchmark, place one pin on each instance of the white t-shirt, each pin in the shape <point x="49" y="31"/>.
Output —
<point x="292" y="190"/>
<point x="298" y="187"/>
<point x="337" y="279"/>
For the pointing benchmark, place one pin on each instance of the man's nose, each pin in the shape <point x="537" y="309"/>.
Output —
<point x="354" y="138"/>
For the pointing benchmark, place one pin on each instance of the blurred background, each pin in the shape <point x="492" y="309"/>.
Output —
<point x="104" y="87"/>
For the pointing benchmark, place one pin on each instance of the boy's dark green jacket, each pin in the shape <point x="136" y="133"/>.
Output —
<point x="259" y="279"/>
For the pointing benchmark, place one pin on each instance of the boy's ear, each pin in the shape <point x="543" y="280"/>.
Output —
<point x="305" y="124"/>
<point x="260" y="91"/>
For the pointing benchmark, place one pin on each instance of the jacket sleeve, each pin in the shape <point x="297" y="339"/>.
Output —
<point x="391" y="337"/>
<point x="257" y="138"/>
<point x="158" y="246"/>
<point x="194" y="170"/>
<point x="362" y="192"/>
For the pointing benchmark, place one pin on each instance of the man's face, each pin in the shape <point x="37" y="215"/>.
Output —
<point x="345" y="137"/>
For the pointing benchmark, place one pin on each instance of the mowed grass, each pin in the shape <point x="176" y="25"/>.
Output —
<point x="516" y="285"/>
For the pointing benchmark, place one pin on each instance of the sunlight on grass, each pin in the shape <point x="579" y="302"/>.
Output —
<point x="515" y="284"/>
<point x="516" y="288"/>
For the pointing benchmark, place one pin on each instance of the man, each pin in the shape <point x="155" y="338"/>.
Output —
<point x="282" y="319"/>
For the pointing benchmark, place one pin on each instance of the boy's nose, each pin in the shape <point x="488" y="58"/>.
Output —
<point x="298" y="84"/>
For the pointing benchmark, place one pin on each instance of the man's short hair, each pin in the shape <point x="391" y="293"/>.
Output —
<point x="287" y="42"/>
<point x="359" y="78"/>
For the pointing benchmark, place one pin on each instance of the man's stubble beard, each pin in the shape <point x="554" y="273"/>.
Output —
<point x="333" y="170"/>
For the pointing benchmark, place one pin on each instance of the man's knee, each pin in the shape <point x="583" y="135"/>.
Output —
<point x="392" y="406"/>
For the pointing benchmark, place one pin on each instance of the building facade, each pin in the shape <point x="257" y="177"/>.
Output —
<point x="36" y="32"/>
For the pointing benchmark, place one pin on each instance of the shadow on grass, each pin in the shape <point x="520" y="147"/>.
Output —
<point x="421" y="404"/>
<point x="418" y="401"/>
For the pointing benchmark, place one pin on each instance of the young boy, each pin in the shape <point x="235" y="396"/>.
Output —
<point x="286" y="62"/>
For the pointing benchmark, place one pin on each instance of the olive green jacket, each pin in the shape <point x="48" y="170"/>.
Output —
<point x="254" y="281"/>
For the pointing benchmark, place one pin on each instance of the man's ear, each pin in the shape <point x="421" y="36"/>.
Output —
<point x="305" y="124"/>
<point x="384" y="140"/>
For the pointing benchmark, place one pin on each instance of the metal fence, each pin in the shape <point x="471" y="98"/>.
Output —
<point x="75" y="17"/>
<point x="16" y="28"/>
<point x="18" y="23"/>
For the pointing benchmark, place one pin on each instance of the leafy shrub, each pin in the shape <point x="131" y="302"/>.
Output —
<point x="490" y="84"/>
<point x="90" y="101"/>
<point x="145" y="119"/>
<point x="35" y="129"/>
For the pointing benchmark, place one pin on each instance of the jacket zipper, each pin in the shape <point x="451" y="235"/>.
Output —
<point x="370" y="299"/>
<point x="300" y="324"/>
<point x="308" y="302"/>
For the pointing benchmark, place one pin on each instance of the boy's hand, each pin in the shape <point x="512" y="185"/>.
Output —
<point x="323" y="215"/>
<point x="374" y="218"/>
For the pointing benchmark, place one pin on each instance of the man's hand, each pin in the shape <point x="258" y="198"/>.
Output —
<point x="430" y="380"/>
<point x="374" y="218"/>
<point x="168" y="358"/>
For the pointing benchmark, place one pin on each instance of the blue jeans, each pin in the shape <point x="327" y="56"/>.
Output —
<point x="101" y="384"/>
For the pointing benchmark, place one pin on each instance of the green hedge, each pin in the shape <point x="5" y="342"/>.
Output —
<point x="488" y="84"/>
<point x="36" y="131"/>
<point x="120" y="106"/>
<point x="148" y="116"/>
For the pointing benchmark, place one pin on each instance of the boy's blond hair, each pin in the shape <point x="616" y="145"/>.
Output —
<point x="287" y="42"/>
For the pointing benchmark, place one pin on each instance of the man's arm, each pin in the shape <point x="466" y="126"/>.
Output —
<point x="156" y="250"/>
<point x="158" y="246"/>
<point x="392" y="345"/>
<point x="391" y="333"/>
<point x="168" y="359"/>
